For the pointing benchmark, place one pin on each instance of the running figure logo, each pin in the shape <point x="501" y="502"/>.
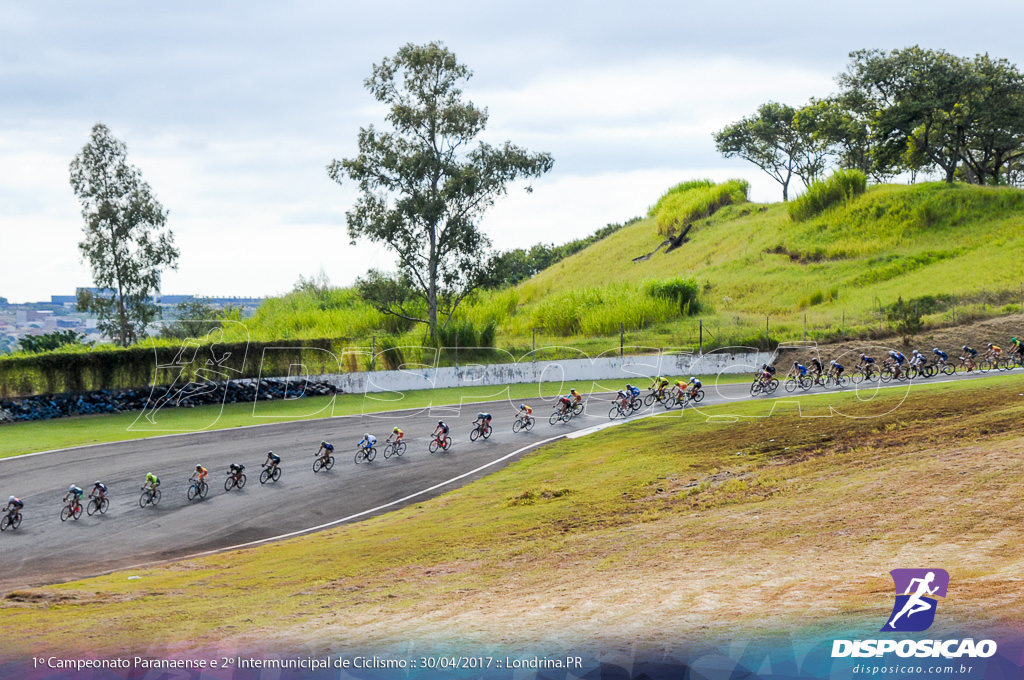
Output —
<point x="914" y="611"/>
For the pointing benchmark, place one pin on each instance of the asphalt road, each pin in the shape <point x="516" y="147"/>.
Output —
<point x="46" y="550"/>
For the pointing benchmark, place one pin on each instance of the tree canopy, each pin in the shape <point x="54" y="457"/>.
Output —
<point x="125" y="242"/>
<point x="424" y="185"/>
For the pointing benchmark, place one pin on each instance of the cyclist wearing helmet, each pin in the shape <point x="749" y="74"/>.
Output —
<point x="836" y="368"/>
<point x="679" y="389"/>
<point x="695" y="385"/>
<point x="994" y="350"/>
<point x="199" y="475"/>
<point x="575" y="396"/>
<point x="526" y="412"/>
<point x="326" y="449"/>
<point x="1016" y="347"/>
<point x="152" y="481"/>
<point x="273" y="460"/>
<point x="99" y="490"/>
<point x="483" y="420"/>
<point x="632" y="391"/>
<point x="565" y="402"/>
<point x="74" y="494"/>
<point x="969" y="352"/>
<point x="940" y="356"/>
<point x="441" y="428"/>
<point x="799" y="370"/>
<point x="367" y="442"/>
<point x="817" y="368"/>
<point x="14" y="506"/>
<point x="396" y="434"/>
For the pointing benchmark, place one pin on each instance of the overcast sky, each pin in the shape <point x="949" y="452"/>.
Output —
<point x="232" y="111"/>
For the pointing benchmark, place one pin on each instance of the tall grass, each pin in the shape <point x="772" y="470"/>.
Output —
<point x="694" y="200"/>
<point x="840" y="187"/>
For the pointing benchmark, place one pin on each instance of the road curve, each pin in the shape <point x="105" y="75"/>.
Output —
<point x="46" y="550"/>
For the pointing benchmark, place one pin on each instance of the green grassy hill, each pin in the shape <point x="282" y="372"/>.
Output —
<point x="933" y="242"/>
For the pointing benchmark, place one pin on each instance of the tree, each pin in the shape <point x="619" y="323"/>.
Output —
<point x="50" y="341"/>
<point x="771" y="140"/>
<point x="423" y="189"/>
<point x="839" y="126"/>
<point x="192" y="319"/>
<point x="125" y="242"/>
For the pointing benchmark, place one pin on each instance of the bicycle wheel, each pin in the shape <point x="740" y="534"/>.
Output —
<point x="265" y="475"/>
<point x="77" y="512"/>
<point x="649" y="399"/>
<point x="487" y="432"/>
<point x="193" y="491"/>
<point x="5" y="522"/>
<point x="92" y="506"/>
<point x="790" y="384"/>
<point x="400" y="448"/>
<point x="698" y="396"/>
<point x="517" y="424"/>
<point x="433" y="446"/>
<point x="554" y="417"/>
<point x="203" y="489"/>
<point x="318" y="464"/>
<point x="474" y="433"/>
<point x="389" y="448"/>
<point x="577" y="408"/>
<point x="614" y="412"/>
<point x="636" y="404"/>
<point x="156" y="497"/>
<point x="360" y="456"/>
<point x="229" y="482"/>
<point x="65" y="512"/>
<point x="144" y="499"/>
<point x="241" y="481"/>
<point x="947" y="369"/>
<point x="447" y="443"/>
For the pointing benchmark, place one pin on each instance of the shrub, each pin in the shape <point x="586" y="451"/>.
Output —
<point x="682" y="292"/>
<point x="823" y="194"/>
<point x="690" y="201"/>
<point x="391" y="354"/>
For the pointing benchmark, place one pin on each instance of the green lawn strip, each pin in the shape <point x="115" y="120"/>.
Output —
<point x="589" y="500"/>
<point x="59" y="433"/>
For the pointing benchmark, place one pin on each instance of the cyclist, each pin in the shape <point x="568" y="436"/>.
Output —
<point x="441" y="431"/>
<point x="969" y="352"/>
<point x="152" y="481"/>
<point x="658" y="385"/>
<point x="326" y="448"/>
<point x="1016" y="347"/>
<point x="817" y="368"/>
<point x="199" y="475"/>
<point x="526" y="412"/>
<point x="940" y="356"/>
<point x="695" y="385"/>
<point x="99" y="491"/>
<point x="396" y="435"/>
<point x="566" y="403"/>
<point x="483" y="421"/>
<point x="896" y="358"/>
<point x="13" y="507"/>
<point x="235" y="469"/>
<point x="994" y="351"/>
<point x="273" y="460"/>
<point x="917" y="359"/>
<point x="74" y="495"/>
<point x="836" y="368"/>
<point x="623" y="399"/>
<point x="679" y="389"/>
<point x="575" y="396"/>
<point x="798" y="370"/>
<point x="367" y="442"/>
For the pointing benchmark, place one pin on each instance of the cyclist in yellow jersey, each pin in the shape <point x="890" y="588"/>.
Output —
<point x="396" y="434"/>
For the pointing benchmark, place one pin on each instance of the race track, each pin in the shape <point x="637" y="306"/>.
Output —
<point x="46" y="550"/>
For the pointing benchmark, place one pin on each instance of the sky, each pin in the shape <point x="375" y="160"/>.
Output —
<point x="232" y="111"/>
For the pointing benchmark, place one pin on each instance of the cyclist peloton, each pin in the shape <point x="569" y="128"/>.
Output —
<point x="74" y="494"/>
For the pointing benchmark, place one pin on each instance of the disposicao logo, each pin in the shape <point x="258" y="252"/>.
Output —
<point x="914" y="610"/>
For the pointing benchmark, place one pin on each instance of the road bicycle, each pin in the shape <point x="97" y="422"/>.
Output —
<point x="97" y="504"/>
<point x="234" y="480"/>
<point x="523" y="422"/>
<point x="802" y="382"/>
<point x="72" y="509"/>
<point x="440" y="441"/>
<point x="270" y="473"/>
<point x="394" y="448"/>
<point x="561" y="415"/>
<point x="481" y="430"/>
<point x="149" y="496"/>
<point x="11" y="520"/>
<point x="366" y="454"/>
<point x="197" y="489"/>
<point x="322" y="462"/>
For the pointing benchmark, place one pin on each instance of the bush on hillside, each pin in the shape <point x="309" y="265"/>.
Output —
<point x="681" y="292"/>
<point x="690" y="201"/>
<point x="823" y="194"/>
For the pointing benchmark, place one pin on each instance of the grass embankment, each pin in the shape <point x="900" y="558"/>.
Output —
<point x="657" y="531"/>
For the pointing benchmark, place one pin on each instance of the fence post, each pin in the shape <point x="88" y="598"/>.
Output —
<point x="622" y="337"/>
<point x="700" y="349"/>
